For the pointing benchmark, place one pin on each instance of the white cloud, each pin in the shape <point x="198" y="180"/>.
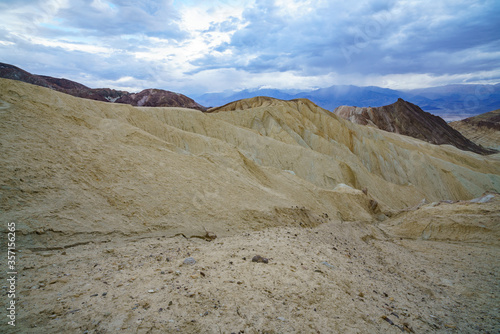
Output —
<point x="196" y="46"/>
<point x="70" y="46"/>
<point x="103" y="6"/>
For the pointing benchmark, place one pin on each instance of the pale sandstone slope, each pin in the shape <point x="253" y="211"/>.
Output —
<point x="476" y="221"/>
<point x="74" y="170"/>
<point x="360" y="156"/>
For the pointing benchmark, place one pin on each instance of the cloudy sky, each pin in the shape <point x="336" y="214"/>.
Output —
<point x="196" y="46"/>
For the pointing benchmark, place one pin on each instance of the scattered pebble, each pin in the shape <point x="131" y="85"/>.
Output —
<point x="388" y="320"/>
<point x="260" y="259"/>
<point x="151" y="291"/>
<point x="189" y="261"/>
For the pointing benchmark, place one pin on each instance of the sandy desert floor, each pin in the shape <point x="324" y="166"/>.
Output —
<point x="334" y="278"/>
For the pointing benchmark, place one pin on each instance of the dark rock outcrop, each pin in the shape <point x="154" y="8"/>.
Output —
<point x="489" y="120"/>
<point x="98" y="94"/>
<point x="15" y="73"/>
<point x="408" y="119"/>
<point x="148" y="97"/>
<point x="159" y="98"/>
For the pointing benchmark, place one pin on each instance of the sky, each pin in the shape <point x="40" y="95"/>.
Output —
<point x="196" y="46"/>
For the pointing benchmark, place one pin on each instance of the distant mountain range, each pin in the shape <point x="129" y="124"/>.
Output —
<point x="451" y="102"/>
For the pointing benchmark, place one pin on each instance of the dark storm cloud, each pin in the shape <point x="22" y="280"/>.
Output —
<point x="109" y="40"/>
<point x="52" y="37"/>
<point x="151" y="18"/>
<point x="378" y="37"/>
<point x="83" y="67"/>
<point x="103" y="18"/>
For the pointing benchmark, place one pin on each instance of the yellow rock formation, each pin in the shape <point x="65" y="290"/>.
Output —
<point x="78" y="169"/>
<point x="106" y="199"/>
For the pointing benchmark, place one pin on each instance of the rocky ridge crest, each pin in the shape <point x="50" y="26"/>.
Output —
<point x="408" y="119"/>
<point x="147" y="97"/>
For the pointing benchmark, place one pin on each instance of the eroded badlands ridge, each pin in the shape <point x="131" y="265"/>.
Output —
<point x="77" y="168"/>
<point x="108" y="197"/>
<point x="482" y="129"/>
<point x="147" y="97"/>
